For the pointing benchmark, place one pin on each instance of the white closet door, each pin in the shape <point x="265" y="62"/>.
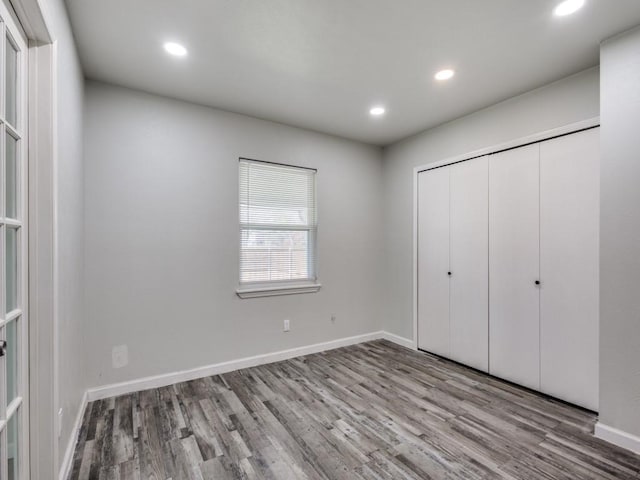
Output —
<point x="569" y="234"/>
<point x="433" y="261"/>
<point x="469" y="320"/>
<point x="514" y="300"/>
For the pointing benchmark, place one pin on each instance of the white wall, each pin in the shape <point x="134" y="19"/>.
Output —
<point x="161" y="229"/>
<point x="70" y="217"/>
<point x="566" y="101"/>
<point x="620" y="234"/>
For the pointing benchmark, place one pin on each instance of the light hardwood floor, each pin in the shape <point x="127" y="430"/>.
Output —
<point x="370" y="411"/>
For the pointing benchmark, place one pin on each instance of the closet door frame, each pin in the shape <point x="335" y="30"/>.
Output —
<point x="519" y="142"/>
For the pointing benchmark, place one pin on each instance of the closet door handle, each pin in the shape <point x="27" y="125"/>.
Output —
<point x="537" y="282"/>
<point x="449" y="273"/>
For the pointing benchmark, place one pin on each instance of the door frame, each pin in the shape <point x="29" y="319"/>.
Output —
<point x="42" y="160"/>
<point x="519" y="142"/>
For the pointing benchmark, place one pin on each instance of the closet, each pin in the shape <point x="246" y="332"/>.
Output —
<point x="508" y="265"/>
<point x="569" y="267"/>
<point x="514" y="266"/>
<point x="453" y="262"/>
<point x="433" y="262"/>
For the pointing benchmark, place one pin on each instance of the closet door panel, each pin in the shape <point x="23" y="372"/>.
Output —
<point x="569" y="240"/>
<point x="469" y="284"/>
<point x="514" y="299"/>
<point x="433" y="261"/>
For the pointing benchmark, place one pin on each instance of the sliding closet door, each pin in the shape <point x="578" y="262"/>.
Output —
<point x="569" y="234"/>
<point x="433" y="261"/>
<point x="514" y="300"/>
<point x="469" y="320"/>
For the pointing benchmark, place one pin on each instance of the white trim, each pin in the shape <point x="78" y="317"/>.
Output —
<point x="534" y="138"/>
<point x="67" y="461"/>
<point x="55" y="267"/>
<point x="617" y="437"/>
<point x="518" y="142"/>
<point x="166" y="379"/>
<point x="270" y="291"/>
<point x="108" y="391"/>
<point x="33" y="17"/>
<point x="415" y="259"/>
<point x="43" y="380"/>
<point x="397" y="339"/>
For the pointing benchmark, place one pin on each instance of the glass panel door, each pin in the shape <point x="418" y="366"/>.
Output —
<point x="13" y="251"/>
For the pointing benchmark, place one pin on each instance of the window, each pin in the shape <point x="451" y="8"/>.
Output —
<point x="278" y="225"/>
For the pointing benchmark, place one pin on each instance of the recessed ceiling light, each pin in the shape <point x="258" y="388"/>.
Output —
<point x="444" y="74"/>
<point x="175" y="49"/>
<point x="568" y="7"/>
<point x="377" y="111"/>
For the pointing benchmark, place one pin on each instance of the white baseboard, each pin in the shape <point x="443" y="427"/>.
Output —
<point x="163" y="380"/>
<point x="604" y="432"/>
<point x="67" y="461"/>
<point x="402" y="341"/>
<point x="157" y="381"/>
<point x="617" y="437"/>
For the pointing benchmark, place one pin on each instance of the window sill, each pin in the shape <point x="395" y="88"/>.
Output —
<point x="273" y="290"/>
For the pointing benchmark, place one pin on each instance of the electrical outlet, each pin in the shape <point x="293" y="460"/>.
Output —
<point x="286" y="325"/>
<point x="120" y="356"/>
<point x="60" y="423"/>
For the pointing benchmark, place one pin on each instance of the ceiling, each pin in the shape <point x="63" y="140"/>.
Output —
<point x="322" y="64"/>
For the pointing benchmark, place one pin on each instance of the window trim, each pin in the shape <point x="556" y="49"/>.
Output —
<point x="282" y="287"/>
<point x="277" y="163"/>
<point x="258" y="290"/>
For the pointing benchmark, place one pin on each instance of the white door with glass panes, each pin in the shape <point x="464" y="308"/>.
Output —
<point x="13" y="250"/>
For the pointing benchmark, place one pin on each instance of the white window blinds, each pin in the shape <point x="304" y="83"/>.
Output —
<point x="277" y="223"/>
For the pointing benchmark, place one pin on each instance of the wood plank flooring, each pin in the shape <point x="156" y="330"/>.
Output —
<point x="369" y="411"/>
